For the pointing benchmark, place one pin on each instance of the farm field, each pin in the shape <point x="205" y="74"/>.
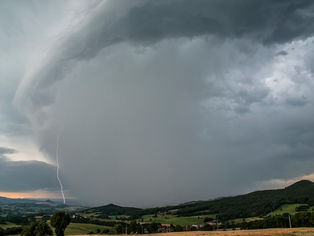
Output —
<point x="78" y="228"/>
<point x="8" y="225"/>
<point x="172" y="219"/>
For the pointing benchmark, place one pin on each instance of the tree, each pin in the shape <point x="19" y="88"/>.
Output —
<point x="153" y="227"/>
<point x="39" y="228"/>
<point x="119" y="228"/>
<point x="208" y="219"/>
<point x="60" y="220"/>
<point x="135" y="227"/>
<point x="106" y="231"/>
<point x="42" y="228"/>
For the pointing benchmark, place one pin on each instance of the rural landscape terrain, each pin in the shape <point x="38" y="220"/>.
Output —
<point x="292" y="206"/>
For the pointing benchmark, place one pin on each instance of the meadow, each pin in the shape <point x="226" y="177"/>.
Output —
<point x="79" y="228"/>
<point x="173" y="219"/>
<point x="286" y="208"/>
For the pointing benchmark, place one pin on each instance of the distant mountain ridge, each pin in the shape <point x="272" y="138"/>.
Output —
<point x="112" y="209"/>
<point x="254" y="204"/>
<point x="4" y="200"/>
<point x="19" y="207"/>
<point x="258" y="203"/>
<point x="301" y="184"/>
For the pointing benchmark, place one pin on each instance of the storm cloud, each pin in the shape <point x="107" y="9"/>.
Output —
<point x="6" y="150"/>
<point x="147" y="22"/>
<point x="17" y="176"/>
<point x="160" y="102"/>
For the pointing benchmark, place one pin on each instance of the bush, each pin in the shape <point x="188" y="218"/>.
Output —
<point x="178" y="228"/>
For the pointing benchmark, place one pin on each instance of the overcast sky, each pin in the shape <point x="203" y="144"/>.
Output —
<point x="155" y="102"/>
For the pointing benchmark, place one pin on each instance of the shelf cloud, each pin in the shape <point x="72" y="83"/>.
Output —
<point x="159" y="102"/>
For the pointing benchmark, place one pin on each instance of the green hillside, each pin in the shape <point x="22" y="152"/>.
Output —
<point x="286" y="209"/>
<point x="294" y="198"/>
<point x="258" y="203"/>
<point x="255" y="204"/>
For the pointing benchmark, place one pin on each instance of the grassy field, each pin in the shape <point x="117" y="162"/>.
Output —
<point x="78" y="228"/>
<point x="8" y="225"/>
<point x="286" y="208"/>
<point x="172" y="219"/>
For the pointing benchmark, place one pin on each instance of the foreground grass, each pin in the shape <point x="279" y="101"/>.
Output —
<point x="261" y="232"/>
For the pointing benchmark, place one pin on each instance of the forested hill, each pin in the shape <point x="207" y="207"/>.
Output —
<point x="257" y="203"/>
<point x="112" y="210"/>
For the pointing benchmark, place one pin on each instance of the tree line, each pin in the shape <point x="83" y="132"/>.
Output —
<point x="60" y="220"/>
<point x="301" y="219"/>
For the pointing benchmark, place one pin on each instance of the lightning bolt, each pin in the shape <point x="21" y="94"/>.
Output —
<point x="59" y="180"/>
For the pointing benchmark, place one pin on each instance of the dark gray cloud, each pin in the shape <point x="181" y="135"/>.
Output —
<point x="282" y="53"/>
<point x="167" y="101"/>
<point x="6" y="150"/>
<point x="266" y="21"/>
<point x="167" y="132"/>
<point x="297" y="101"/>
<point x="146" y="22"/>
<point x="19" y="176"/>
